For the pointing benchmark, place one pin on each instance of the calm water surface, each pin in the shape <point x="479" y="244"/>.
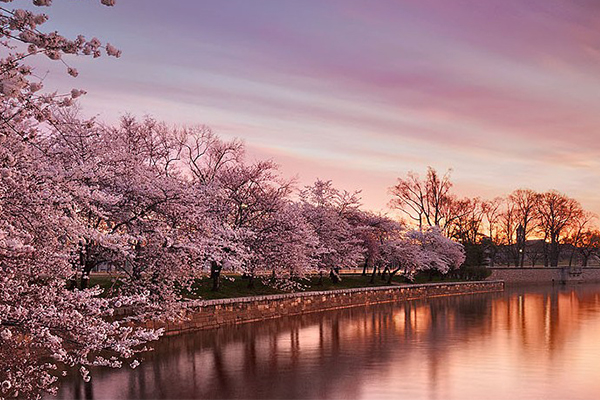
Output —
<point x="526" y="343"/>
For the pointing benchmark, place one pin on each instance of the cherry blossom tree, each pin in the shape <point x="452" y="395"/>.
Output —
<point x="22" y="98"/>
<point x="46" y="329"/>
<point x="438" y="252"/>
<point x="203" y="160"/>
<point x="402" y="254"/>
<point x="283" y="246"/>
<point x="140" y="214"/>
<point x="328" y="210"/>
<point x="280" y="244"/>
<point x="157" y="203"/>
<point x="373" y="230"/>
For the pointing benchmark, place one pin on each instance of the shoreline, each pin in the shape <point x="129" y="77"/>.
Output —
<point x="212" y="314"/>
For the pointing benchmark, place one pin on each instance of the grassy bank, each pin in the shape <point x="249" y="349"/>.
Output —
<point x="236" y="286"/>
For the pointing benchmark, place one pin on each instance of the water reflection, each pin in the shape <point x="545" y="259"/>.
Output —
<point x="524" y="343"/>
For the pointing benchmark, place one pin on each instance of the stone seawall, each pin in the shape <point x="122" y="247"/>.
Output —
<point x="543" y="275"/>
<point x="211" y="314"/>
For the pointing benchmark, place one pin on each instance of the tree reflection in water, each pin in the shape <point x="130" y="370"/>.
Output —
<point x="524" y="343"/>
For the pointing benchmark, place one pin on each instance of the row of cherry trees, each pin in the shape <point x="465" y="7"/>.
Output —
<point x="523" y="226"/>
<point x="162" y="205"/>
<point x="46" y="329"/>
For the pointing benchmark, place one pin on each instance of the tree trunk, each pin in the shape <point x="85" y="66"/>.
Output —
<point x="72" y="283"/>
<point x="215" y="275"/>
<point x="86" y="266"/>
<point x="554" y="253"/>
<point x="250" y="281"/>
<point x="571" y="256"/>
<point x="386" y="270"/>
<point x="585" y="260"/>
<point x="334" y="276"/>
<point x="373" y="274"/>
<point x="85" y="280"/>
<point x="391" y="275"/>
<point x="320" y="282"/>
<point x="366" y="265"/>
<point x="492" y="256"/>
<point x="85" y="274"/>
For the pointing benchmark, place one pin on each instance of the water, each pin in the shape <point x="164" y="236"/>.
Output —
<point x="525" y="343"/>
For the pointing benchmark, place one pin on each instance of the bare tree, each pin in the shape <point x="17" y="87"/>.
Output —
<point x="579" y="234"/>
<point x="525" y="203"/>
<point x="426" y="201"/>
<point x="556" y="213"/>
<point x="467" y="224"/>
<point x="492" y="210"/>
<point x="535" y="251"/>
<point x="508" y="230"/>
<point x="588" y="245"/>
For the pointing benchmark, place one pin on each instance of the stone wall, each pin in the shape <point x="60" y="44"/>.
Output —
<point x="541" y="275"/>
<point x="210" y="314"/>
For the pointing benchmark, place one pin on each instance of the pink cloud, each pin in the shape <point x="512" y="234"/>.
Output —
<point x="506" y="92"/>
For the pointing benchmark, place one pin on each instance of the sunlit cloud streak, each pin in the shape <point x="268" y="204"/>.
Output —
<point x="504" y="92"/>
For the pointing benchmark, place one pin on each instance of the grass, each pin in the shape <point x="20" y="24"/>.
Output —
<point x="231" y="286"/>
<point x="236" y="286"/>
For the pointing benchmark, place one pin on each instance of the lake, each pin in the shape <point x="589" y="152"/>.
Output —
<point x="525" y="343"/>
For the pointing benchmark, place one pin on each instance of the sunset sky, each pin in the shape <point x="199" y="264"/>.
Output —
<point x="506" y="93"/>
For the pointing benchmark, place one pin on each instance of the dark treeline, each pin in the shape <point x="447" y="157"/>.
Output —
<point x="523" y="228"/>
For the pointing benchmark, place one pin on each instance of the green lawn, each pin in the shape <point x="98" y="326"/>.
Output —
<point x="236" y="286"/>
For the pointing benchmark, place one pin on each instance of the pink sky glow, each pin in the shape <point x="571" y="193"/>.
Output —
<point x="506" y="93"/>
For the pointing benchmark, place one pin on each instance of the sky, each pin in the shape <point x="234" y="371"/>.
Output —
<point x="506" y="93"/>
